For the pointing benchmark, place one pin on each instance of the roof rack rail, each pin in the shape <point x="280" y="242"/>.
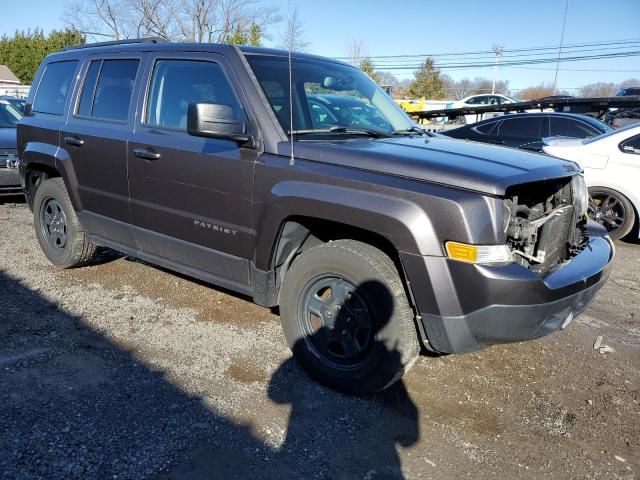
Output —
<point x="118" y="42"/>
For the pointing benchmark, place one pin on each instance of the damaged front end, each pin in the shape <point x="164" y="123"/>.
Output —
<point x="545" y="222"/>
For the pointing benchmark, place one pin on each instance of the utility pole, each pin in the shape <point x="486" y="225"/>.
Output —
<point x="498" y="50"/>
<point x="564" y="22"/>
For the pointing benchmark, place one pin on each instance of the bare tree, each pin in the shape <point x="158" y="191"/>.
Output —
<point x="538" y="91"/>
<point x="177" y="20"/>
<point x="599" y="89"/>
<point x="462" y="88"/>
<point x="99" y="18"/>
<point x="293" y="37"/>
<point x="356" y="51"/>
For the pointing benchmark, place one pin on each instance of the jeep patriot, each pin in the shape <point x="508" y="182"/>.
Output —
<point x="294" y="180"/>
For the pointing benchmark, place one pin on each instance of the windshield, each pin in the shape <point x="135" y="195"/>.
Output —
<point x="611" y="132"/>
<point x="328" y="98"/>
<point x="9" y="116"/>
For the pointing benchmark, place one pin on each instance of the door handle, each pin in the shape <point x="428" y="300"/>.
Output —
<point x="146" y="154"/>
<point x="76" y="142"/>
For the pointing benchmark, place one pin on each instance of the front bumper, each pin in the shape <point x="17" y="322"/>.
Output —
<point x="9" y="181"/>
<point x="465" y="307"/>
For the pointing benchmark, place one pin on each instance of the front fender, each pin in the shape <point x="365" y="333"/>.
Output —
<point x="400" y="221"/>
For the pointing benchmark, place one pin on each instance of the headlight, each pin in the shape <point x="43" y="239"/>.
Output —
<point x="580" y="194"/>
<point x="477" y="253"/>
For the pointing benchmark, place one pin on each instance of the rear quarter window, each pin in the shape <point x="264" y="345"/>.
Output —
<point x="54" y="87"/>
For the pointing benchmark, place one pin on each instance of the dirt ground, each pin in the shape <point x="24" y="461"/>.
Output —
<point x="122" y="370"/>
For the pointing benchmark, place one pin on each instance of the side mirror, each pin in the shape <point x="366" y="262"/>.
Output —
<point x="215" y="120"/>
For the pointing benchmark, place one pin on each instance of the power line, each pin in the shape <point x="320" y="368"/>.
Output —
<point x="506" y="50"/>
<point x="565" y="50"/>
<point x="458" y="66"/>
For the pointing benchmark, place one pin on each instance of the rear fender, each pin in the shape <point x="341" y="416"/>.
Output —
<point x="53" y="157"/>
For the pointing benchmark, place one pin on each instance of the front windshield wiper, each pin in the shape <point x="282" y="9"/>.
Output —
<point x="339" y="129"/>
<point x="413" y="129"/>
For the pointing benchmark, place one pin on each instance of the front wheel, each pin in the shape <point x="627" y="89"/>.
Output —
<point x="346" y="317"/>
<point x="612" y="210"/>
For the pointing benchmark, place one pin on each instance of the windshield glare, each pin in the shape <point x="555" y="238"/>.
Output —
<point x="9" y="116"/>
<point x="326" y="95"/>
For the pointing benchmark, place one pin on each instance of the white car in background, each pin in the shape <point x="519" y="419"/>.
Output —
<point x="611" y="165"/>
<point x="482" y="100"/>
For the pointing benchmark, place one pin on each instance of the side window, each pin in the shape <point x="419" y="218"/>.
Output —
<point x="520" y="127"/>
<point x="177" y="83"/>
<point x="631" y="146"/>
<point x="107" y="89"/>
<point x="486" y="128"/>
<point x="570" y="128"/>
<point x="89" y="88"/>
<point x="54" y="87"/>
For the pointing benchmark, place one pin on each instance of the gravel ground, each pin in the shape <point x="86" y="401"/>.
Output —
<point x="122" y="370"/>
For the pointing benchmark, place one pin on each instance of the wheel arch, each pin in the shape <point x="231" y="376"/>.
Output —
<point x="41" y="161"/>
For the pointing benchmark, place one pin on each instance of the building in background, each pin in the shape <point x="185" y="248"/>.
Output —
<point x="10" y="84"/>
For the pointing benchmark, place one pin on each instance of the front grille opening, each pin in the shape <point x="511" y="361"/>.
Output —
<point x="542" y="224"/>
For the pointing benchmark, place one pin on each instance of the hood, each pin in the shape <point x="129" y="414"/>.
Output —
<point x="563" y="141"/>
<point x="8" y="138"/>
<point x="467" y="165"/>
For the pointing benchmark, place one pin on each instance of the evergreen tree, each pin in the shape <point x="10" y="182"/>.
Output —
<point x="427" y="82"/>
<point x="367" y="66"/>
<point x="24" y="52"/>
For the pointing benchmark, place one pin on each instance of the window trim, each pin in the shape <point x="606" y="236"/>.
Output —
<point x="184" y="58"/>
<point x="74" y="77"/>
<point x="622" y="144"/>
<point x="85" y="70"/>
<point x="493" y="124"/>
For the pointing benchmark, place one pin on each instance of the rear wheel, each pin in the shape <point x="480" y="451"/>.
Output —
<point x="58" y="229"/>
<point x="346" y="317"/>
<point x="612" y="210"/>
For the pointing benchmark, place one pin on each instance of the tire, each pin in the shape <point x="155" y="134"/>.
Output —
<point x="612" y="210"/>
<point x="362" y="338"/>
<point x="58" y="229"/>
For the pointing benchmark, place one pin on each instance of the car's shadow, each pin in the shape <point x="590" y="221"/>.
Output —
<point x="74" y="404"/>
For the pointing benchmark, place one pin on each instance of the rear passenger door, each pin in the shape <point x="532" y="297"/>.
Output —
<point x="191" y="197"/>
<point x="95" y="138"/>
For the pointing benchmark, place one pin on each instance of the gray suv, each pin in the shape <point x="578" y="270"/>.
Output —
<point x="298" y="182"/>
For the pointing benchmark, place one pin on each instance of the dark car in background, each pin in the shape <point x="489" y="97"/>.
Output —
<point x="9" y="178"/>
<point x="17" y="103"/>
<point x="526" y="130"/>
<point x="621" y="117"/>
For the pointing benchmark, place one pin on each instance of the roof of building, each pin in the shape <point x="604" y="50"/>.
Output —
<point x="7" y="76"/>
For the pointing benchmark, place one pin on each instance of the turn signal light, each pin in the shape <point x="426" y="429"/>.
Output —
<point x="477" y="253"/>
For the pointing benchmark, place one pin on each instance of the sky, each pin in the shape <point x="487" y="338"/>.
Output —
<point x="418" y="27"/>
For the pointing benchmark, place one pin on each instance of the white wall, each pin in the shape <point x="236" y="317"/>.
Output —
<point x="20" y="91"/>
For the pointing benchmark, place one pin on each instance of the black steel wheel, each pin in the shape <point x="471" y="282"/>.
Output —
<point x="53" y="223"/>
<point x="58" y="229"/>
<point x="346" y="317"/>
<point x="612" y="210"/>
<point x="335" y="321"/>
